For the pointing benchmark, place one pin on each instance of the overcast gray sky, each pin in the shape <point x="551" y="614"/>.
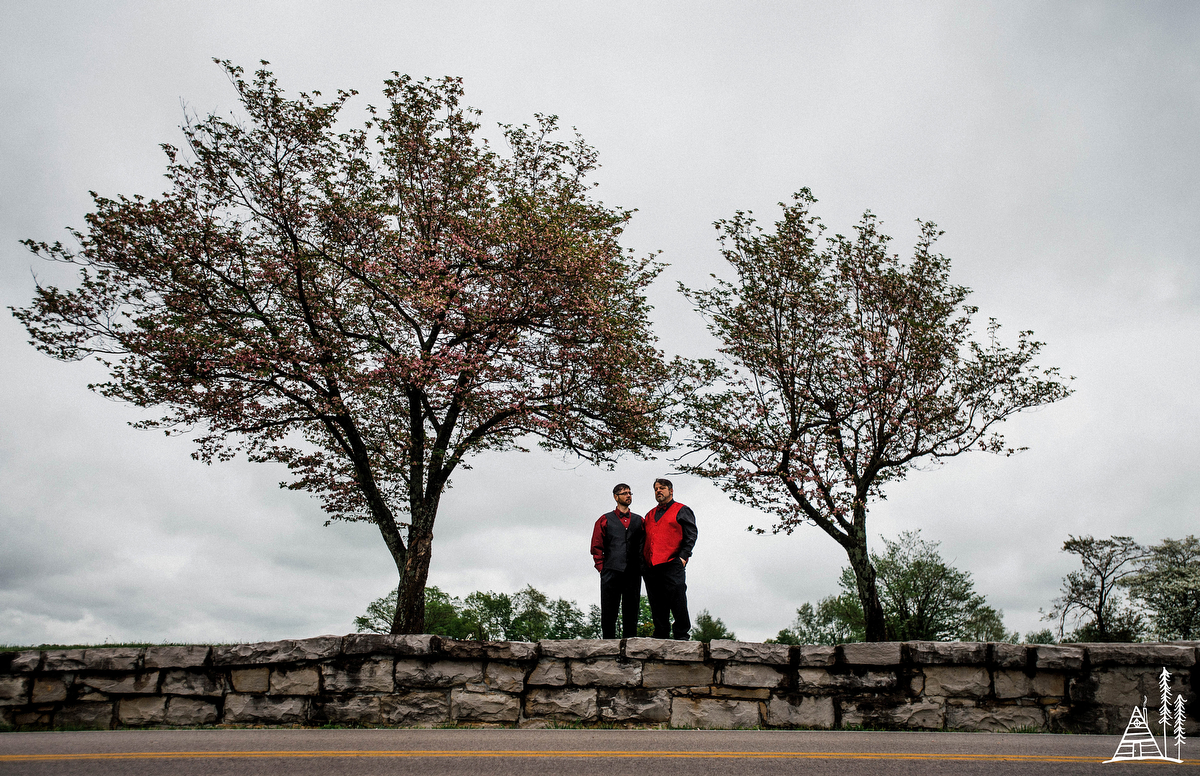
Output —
<point x="1057" y="144"/>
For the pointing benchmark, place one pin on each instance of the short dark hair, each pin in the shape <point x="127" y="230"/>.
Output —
<point x="665" y="483"/>
<point x="620" y="486"/>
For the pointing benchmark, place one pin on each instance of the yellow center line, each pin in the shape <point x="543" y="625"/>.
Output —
<point x="596" y="754"/>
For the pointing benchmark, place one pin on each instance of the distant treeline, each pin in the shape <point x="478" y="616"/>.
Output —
<point x="1123" y="592"/>
<point x="528" y="615"/>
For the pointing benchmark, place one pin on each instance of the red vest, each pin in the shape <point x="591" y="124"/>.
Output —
<point x="663" y="535"/>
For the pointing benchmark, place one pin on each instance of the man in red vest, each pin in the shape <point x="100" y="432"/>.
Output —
<point x="670" y="536"/>
<point x="617" y="540"/>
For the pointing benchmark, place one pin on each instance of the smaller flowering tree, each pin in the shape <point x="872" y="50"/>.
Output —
<point x="370" y="306"/>
<point x="844" y="368"/>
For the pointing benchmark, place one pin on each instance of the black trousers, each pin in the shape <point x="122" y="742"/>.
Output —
<point x="623" y="588"/>
<point x="666" y="591"/>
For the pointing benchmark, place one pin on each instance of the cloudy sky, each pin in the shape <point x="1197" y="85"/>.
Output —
<point x="1057" y="144"/>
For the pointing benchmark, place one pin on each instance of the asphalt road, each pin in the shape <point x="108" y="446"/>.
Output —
<point x="499" y="752"/>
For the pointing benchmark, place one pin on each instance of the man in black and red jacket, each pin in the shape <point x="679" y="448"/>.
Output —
<point x="617" y="542"/>
<point x="670" y="537"/>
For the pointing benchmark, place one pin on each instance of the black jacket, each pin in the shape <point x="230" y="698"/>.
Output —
<point x="615" y="547"/>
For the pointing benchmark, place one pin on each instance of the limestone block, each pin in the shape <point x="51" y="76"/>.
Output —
<point x="176" y="657"/>
<point x="63" y="660"/>
<point x="750" y="652"/>
<point x="488" y="650"/>
<point x="32" y="719"/>
<point x="251" y="679"/>
<point x="354" y="710"/>
<point x="265" y="710"/>
<point x="744" y="693"/>
<point x="918" y="715"/>
<point x="1013" y="684"/>
<point x="411" y="672"/>
<point x="85" y="716"/>
<point x="822" y="679"/>
<point x="817" y="655"/>
<point x="664" y="649"/>
<point x="1116" y="686"/>
<point x="191" y="711"/>
<point x="956" y="681"/>
<point x="183" y="682"/>
<point x="634" y="705"/>
<point x="1057" y="657"/>
<point x="606" y="672"/>
<point x="25" y="661"/>
<point x="288" y="651"/>
<point x="504" y="678"/>
<point x="676" y="674"/>
<point x="423" y="707"/>
<point x="549" y="672"/>
<point x="371" y="675"/>
<point x="804" y="711"/>
<point x="387" y="644"/>
<point x="1016" y="684"/>
<point x="149" y="710"/>
<point x="112" y="659"/>
<point x="14" y="690"/>
<point x="47" y="690"/>
<point x="997" y="720"/>
<point x="752" y="675"/>
<point x="1010" y="655"/>
<point x="947" y="652"/>
<point x="484" y="706"/>
<point x="1049" y="684"/>
<point x="129" y="684"/>
<point x="878" y="653"/>
<point x="297" y="681"/>
<point x="580" y="649"/>
<point x="567" y="704"/>
<point x="714" y="713"/>
<point x="1141" y="655"/>
<point x="85" y="694"/>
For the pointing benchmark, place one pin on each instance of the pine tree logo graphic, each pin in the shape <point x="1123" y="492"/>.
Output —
<point x="1139" y="742"/>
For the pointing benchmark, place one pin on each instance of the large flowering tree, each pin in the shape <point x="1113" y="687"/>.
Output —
<point x="843" y="368"/>
<point x="368" y="306"/>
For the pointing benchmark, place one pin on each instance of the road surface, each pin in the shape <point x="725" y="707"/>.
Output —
<point x="499" y="752"/>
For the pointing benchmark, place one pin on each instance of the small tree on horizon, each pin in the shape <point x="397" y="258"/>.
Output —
<point x="1167" y="584"/>
<point x="1089" y="596"/>
<point x="709" y="628"/>
<point x="924" y="598"/>
<point x="369" y="307"/>
<point x="842" y="369"/>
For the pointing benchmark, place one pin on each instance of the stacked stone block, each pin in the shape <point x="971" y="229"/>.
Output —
<point x="377" y="680"/>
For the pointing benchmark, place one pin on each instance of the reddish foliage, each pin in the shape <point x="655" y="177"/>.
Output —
<point x="843" y="370"/>
<point x="368" y="306"/>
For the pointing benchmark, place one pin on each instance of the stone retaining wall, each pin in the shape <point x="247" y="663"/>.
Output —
<point x="367" y="679"/>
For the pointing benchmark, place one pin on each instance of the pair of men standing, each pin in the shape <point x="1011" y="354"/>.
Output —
<point x="627" y="547"/>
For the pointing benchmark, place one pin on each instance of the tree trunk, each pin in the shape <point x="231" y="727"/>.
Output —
<point x="410" y="595"/>
<point x="868" y="594"/>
